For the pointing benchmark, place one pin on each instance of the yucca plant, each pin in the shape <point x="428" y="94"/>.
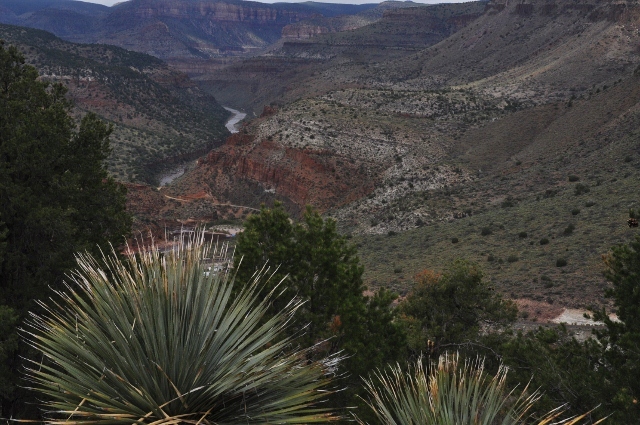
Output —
<point x="154" y="339"/>
<point x="453" y="394"/>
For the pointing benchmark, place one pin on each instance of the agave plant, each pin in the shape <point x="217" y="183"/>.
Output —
<point x="154" y="339"/>
<point x="453" y="394"/>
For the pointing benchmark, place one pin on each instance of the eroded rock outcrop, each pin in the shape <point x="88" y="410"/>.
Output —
<point x="248" y="170"/>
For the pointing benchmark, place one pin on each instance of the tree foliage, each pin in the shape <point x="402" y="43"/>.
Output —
<point x="321" y="268"/>
<point x="621" y="357"/>
<point x="55" y="198"/>
<point x="452" y="308"/>
<point x="566" y="371"/>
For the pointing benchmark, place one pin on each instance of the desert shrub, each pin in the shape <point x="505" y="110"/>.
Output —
<point x="522" y="235"/>
<point x="581" y="189"/>
<point x="561" y="262"/>
<point x="569" y="229"/>
<point x="544" y="241"/>
<point x="573" y="178"/>
<point x="451" y="392"/>
<point x="155" y="338"/>
<point x="454" y="240"/>
<point x="485" y="231"/>
<point x="575" y="211"/>
<point x="508" y="203"/>
<point x="512" y="258"/>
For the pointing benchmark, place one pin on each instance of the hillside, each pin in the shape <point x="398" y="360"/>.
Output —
<point x="511" y="141"/>
<point x="499" y="132"/>
<point x="159" y="116"/>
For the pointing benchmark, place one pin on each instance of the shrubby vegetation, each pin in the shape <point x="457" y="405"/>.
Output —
<point x="455" y="393"/>
<point x="452" y="308"/>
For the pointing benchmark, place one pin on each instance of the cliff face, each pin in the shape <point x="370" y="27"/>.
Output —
<point x="168" y="29"/>
<point x="183" y="29"/>
<point x="247" y="171"/>
<point x="320" y="25"/>
<point x="219" y="11"/>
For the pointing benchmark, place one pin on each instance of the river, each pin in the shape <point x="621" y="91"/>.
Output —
<point x="232" y="125"/>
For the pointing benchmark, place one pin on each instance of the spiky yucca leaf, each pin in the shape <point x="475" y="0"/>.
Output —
<point x="452" y="394"/>
<point x="154" y="339"/>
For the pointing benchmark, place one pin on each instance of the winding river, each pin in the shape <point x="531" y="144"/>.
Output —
<point x="232" y="125"/>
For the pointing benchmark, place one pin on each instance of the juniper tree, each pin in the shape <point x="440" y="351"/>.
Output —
<point x="55" y="199"/>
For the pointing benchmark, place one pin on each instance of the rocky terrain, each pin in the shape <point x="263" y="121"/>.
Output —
<point x="306" y="66"/>
<point x="500" y="132"/>
<point x="510" y="142"/>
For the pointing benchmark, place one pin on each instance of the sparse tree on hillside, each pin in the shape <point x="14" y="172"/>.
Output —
<point x="449" y="309"/>
<point x="55" y="199"/>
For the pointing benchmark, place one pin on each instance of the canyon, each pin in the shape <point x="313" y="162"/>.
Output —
<point x="499" y="132"/>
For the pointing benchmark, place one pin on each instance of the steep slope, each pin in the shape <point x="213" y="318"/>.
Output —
<point x="512" y="142"/>
<point x="533" y="51"/>
<point x="321" y="24"/>
<point x="159" y="116"/>
<point x="557" y="183"/>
